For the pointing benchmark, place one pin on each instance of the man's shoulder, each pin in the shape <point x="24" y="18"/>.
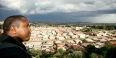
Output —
<point x="16" y="51"/>
<point x="7" y="45"/>
<point x="11" y="51"/>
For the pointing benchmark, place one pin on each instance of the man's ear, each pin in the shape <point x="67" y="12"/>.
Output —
<point x="14" y="29"/>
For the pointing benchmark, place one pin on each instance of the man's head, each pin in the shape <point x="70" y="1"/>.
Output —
<point x="17" y="26"/>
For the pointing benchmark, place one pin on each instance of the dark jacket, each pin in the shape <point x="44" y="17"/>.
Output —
<point x="13" y="52"/>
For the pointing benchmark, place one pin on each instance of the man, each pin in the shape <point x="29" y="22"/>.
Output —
<point x="16" y="30"/>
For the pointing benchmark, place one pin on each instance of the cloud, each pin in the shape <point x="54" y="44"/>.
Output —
<point x="105" y="18"/>
<point x="62" y="10"/>
<point x="51" y="6"/>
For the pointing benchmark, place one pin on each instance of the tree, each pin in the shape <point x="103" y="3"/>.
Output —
<point x="94" y="55"/>
<point x="35" y="53"/>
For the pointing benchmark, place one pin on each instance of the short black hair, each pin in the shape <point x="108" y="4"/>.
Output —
<point x="11" y="20"/>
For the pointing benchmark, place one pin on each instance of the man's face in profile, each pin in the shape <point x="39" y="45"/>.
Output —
<point x="24" y="30"/>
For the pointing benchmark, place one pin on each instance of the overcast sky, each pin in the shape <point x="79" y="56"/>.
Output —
<point x="95" y="11"/>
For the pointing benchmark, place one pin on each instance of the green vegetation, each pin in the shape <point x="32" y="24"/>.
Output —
<point x="89" y="52"/>
<point x="105" y="27"/>
<point x="87" y="30"/>
<point x="35" y="53"/>
<point x="1" y="26"/>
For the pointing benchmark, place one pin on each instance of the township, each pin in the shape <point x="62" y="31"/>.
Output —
<point x="50" y="39"/>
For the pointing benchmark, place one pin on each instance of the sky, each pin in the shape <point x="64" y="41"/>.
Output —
<point x="94" y="11"/>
